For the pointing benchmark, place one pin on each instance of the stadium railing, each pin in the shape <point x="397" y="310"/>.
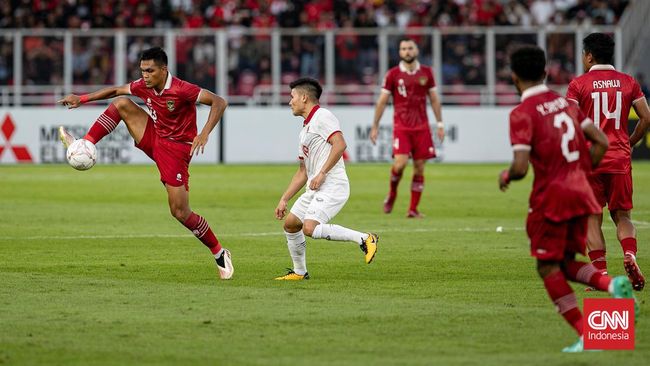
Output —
<point x="255" y="66"/>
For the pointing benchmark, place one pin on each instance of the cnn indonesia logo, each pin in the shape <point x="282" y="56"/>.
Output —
<point x="609" y="325"/>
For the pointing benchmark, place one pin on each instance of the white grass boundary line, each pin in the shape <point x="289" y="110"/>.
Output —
<point x="261" y="234"/>
<point x="639" y="224"/>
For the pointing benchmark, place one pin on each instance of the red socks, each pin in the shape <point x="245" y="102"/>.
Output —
<point x="394" y="182"/>
<point x="587" y="274"/>
<point x="200" y="228"/>
<point x="629" y="246"/>
<point x="105" y="124"/>
<point x="417" y="186"/>
<point x="599" y="260"/>
<point x="564" y="299"/>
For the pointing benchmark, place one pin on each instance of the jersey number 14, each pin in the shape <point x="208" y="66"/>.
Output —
<point x="615" y="115"/>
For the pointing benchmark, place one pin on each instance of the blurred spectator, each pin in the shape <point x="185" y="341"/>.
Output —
<point x="463" y="60"/>
<point x="285" y="13"/>
<point x="249" y="59"/>
<point x="505" y="45"/>
<point x="542" y="11"/>
<point x="560" y="53"/>
<point x="347" y="51"/>
<point x="368" y="57"/>
<point x="81" y="55"/>
<point x="6" y="62"/>
<point x="43" y="60"/>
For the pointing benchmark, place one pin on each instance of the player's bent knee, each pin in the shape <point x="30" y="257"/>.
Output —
<point x="308" y="230"/>
<point x="545" y="268"/>
<point x="292" y="228"/>
<point x="620" y="215"/>
<point x="292" y="225"/>
<point x="179" y="214"/>
<point x="122" y="103"/>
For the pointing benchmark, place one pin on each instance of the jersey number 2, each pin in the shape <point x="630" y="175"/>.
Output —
<point x="615" y="115"/>
<point x="564" y="119"/>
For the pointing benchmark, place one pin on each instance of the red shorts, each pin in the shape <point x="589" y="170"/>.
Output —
<point x="172" y="157"/>
<point x="417" y="144"/>
<point x="615" y="190"/>
<point x="551" y="240"/>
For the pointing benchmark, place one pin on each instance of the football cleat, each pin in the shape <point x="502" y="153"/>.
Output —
<point x="578" y="346"/>
<point x="369" y="247"/>
<point x="293" y="276"/>
<point x="414" y="214"/>
<point x="622" y="289"/>
<point x="634" y="272"/>
<point x="388" y="204"/>
<point x="224" y="264"/>
<point x="65" y="137"/>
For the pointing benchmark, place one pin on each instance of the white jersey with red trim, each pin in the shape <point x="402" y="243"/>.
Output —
<point x="314" y="147"/>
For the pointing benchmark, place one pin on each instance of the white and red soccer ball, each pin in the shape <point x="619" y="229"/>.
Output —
<point x="81" y="154"/>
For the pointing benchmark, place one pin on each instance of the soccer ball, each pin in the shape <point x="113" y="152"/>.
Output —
<point x="81" y="154"/>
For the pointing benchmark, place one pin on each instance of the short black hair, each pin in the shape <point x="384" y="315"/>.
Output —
<point x="308" y="85"/>
<point x="528" y="63"/>
<point x="406" y="39"/>
<point x="156" y="54"/>
<point x="601" y="46"/>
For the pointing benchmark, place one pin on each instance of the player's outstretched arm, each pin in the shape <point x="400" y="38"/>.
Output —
<point x="297" y="182"/>
<point x="642" y="110"/>
<point x="74" y="101"/>
<point x="518" y="169"/>
<point x="217" y="107"/>
<point x="437" y="112"/>
<point x="380" y="106"/>
<point x="599" y="143"/>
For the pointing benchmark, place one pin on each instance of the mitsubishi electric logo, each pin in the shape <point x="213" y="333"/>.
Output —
<point x="20" y="152"/>
<point x="609" y="325"/>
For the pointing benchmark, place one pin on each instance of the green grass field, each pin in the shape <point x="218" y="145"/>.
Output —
<point x="94" y="270"/>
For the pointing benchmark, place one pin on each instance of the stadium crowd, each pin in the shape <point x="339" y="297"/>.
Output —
<point x="298" y="13"/>
<point x="249" y="57"/>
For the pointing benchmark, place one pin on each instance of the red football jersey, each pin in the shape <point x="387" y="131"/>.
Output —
<point x="173" y="109"/>
<point x="550" y="127"/>
<point x="409" y="91"/>
<point x="606" y="96"/>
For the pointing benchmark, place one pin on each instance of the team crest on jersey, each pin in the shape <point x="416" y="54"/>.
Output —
<point x="423" y="80"/>
<point x="170" y="105"/>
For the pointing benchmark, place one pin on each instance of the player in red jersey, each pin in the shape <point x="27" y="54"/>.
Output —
<point x="168" y="136"/>
<point x="409" y="84"/>
<point x="607" y="95"/>
<point x="551" y="133"/>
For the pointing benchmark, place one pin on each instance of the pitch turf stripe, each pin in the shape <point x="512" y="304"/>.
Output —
<point x="640" y="225"/>
<point x="269" y="233"/>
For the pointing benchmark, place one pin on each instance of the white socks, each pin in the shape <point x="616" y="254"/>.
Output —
<point x="297" y="244"/>
<point x="338" y="233"/>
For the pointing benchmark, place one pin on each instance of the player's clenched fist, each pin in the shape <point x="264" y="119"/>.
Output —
<point x="281" y="209"/>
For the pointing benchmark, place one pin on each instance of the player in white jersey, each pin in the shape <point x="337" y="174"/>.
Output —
<point x="328" y="189"/>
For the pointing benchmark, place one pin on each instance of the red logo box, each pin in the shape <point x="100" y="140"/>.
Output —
<point x="608" y="324"/>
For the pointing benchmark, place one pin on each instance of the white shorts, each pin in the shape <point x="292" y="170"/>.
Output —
<point x="321" y="205"/>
